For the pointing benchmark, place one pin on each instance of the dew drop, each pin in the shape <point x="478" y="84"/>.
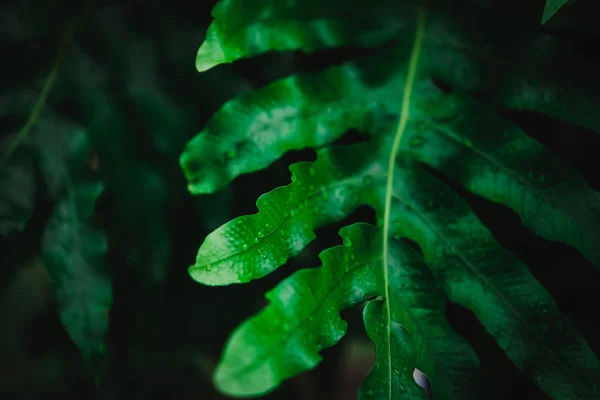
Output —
<point x="208" y="267"/>
<point x="261" y="234"/>
<point x="256" y="240"/>
<point x="416" y="142"/>
<point x="244" y="246"/>
<point x="401" y="387"/>
<point x="232" y="153"/>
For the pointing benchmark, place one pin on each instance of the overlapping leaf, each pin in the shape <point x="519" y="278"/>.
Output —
<point x="72" y="249"/>
<point x="394" y="97"/>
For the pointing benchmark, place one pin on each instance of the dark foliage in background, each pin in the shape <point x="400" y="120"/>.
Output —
<point x="126" y="80"/>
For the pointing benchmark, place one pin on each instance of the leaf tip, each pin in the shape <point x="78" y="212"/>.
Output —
<point x="208" y="276"/>
<point x="551" y="8"/>
<point x="210" y="53"/>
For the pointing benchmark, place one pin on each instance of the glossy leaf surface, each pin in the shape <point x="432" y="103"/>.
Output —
<point x="396" y="97"/>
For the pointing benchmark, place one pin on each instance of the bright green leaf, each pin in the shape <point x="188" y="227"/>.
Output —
<point x="243" y="29"/>
<point x="17" y="193"/>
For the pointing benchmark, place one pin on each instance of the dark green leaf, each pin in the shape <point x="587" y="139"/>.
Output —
<point x="72" y="251"/>
<point x="551" y="8"/>
<point x="17" y="193"/>
<point x="392" y="374"/>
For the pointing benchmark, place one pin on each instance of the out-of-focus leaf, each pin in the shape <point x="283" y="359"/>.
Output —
<point x="72" y="252"/>
<point x="17" y="193"/>
<point x="551" y="8"/>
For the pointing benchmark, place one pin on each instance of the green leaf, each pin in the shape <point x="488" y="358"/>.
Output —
<point x="392" y="374"/>
<point x="411" y="120"/>
<point x="72" y="248"/>
<point x="241" y="29"/>
<point x="507" y="166"/>
<point x="308" y="110"/>
<point x="72" y="252"/>
<point x="418" y="303"/>
<point x="551" y="8"/>
<point x="478" y="273"/>
<point x="302" y="318"/>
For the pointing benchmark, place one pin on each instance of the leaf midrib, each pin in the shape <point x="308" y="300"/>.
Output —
<point x="275" y="344"/>
<point x="498" y="294"/>
<point x="404" y="118"/>
<point x="277" y="227"/>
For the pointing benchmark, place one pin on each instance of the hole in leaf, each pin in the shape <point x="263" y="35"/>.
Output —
<point x="443" y="86"/>
<point x="422" y="380"/>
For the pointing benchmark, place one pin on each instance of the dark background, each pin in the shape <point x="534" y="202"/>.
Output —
<point x="136" y="59"/>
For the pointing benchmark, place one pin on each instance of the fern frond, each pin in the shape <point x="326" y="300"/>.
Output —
<point x="394" y="96"/>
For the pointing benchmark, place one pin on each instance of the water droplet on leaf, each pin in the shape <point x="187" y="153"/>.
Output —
<point x="416" y="142"/>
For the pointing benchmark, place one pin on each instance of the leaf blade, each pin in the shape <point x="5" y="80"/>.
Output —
<point x="302" y="317"/>
<point x="242" y="30"/>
